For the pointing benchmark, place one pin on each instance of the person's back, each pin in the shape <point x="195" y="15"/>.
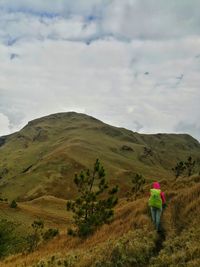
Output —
<point x="156" y="203"/>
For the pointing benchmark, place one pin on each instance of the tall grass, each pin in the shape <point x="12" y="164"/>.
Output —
<point x="130" y="240"/>
<point x="129" y="217"/>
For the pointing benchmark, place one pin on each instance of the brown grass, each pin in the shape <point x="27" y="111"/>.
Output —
<point x="129" y="216"/>
<point x="182" y="214"/>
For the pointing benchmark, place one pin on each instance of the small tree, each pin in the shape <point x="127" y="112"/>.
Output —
<point x="94" y="205"/>
<point x="34" y="238"/>
<point x="190" y="165"/>
<point x="138" y="184"/>
<point x="179" y="169"/>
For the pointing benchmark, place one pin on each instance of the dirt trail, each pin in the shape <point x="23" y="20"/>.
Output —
<point x="158" y="246"/>
<point x="159" y="242"/>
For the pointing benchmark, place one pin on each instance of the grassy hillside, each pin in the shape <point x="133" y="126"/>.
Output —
<point x="50" y="209"/>
<point x="42" y="158"/>
<point x="130" y="240"/>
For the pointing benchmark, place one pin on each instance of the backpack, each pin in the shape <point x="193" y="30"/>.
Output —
<point x="155" y="199"/>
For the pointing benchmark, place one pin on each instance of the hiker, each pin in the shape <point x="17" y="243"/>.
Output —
<point x="157" y="203"/>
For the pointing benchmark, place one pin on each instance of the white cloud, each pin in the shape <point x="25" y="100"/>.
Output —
<point x="61" y="7"/>
<point x="149" y="84"/>
<point x="4" y="122"/>
<point x="16" y="26"/>
<point x="152" y="19"/>
<point x="127" y="19"/>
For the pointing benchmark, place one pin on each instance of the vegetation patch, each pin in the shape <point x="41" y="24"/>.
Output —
<point x="182" y="250"/>
<point x="134" y="249"/>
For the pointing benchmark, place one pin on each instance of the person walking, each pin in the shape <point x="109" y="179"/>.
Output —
<point x="157" y="202"/>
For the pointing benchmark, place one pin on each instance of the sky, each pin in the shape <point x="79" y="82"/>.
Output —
<point x="130" y="63"/>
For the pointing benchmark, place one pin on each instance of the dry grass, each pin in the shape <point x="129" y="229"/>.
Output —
<point x="50" y="209"/>
<point x="180" y="221"/>
<point x="128" y="216"/>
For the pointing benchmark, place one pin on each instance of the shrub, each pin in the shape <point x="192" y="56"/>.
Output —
<point x="50" y="233"/>
<point x="35" y="237"/>
<point x="187" y="166"/>
<point x="133" y="249"/>
<point x="179" y="250"/>
<point x="190" y="165"/>
<point x="13" y="204"/>
<point x="10" y="240"/>
<point x="178" y="169"/>
<point x="138" y="182"/>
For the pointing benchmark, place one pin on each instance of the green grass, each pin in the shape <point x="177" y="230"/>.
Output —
<point x="59" y="145"/>
<point x="50" y="209"/>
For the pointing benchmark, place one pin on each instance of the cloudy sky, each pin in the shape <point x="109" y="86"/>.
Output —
<point x="130" y="63"/>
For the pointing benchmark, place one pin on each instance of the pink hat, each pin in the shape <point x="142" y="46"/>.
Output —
<point x="156" y="185"/>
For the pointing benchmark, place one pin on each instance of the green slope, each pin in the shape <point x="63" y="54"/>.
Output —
<point x="43" y="157"/>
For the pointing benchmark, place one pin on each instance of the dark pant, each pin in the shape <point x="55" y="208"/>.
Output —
<point x="156" y="214"/>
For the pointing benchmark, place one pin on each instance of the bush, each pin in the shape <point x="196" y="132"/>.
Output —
<point x="182" y="166"/>
<point x="10" y="240"/>
<point x="190" y="165"/>
<point x="133" y="249"/>
<point x="180" y="250"/>
<point x="34" y="239"/>
<point x="71" y="232"/>
<point x="50" y="233"/>
<point x="13" y="204"/>
<point x="178" y="169"/>
<point x="138" y="182"/>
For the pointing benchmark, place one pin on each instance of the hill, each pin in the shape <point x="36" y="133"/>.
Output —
<point x="41" y="159"/>
<point x="130" y="240"/>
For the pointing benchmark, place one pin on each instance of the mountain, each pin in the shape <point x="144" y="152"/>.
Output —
<point x="42" y="158"/>
<point x="37" y="166"/>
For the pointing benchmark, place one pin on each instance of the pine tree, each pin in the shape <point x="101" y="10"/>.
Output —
<point x="94" y="205"/>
